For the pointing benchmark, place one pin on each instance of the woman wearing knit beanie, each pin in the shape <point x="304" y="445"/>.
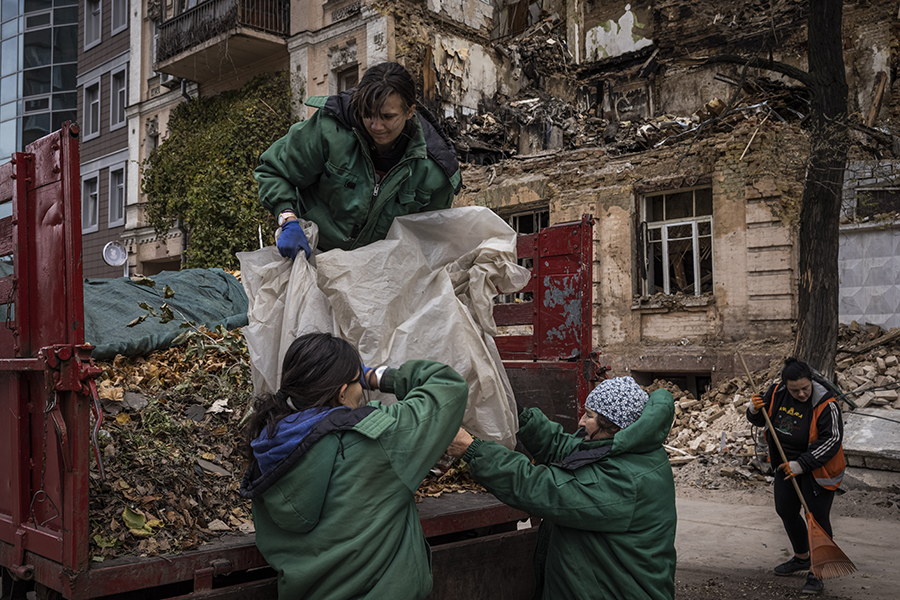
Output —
<point x="605" y="494"/>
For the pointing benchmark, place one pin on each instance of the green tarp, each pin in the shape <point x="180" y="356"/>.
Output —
<point x="205" y="296"/>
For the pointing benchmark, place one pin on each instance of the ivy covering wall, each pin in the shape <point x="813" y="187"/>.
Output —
<point x="202" y="174"/>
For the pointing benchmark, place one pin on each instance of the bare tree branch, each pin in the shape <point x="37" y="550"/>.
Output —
<point x="755" y="62"/>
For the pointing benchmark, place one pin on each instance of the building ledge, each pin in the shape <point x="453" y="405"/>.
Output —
<point x="661" y="303"/>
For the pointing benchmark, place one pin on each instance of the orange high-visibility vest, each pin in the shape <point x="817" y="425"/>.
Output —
<point x="830" y="474"/>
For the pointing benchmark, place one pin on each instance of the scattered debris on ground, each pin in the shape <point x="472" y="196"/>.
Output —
<point x="731" y="453"/>
<point x="171" y="434"/>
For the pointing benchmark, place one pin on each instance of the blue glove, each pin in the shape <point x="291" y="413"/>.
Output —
<point x="292" y="239"/>
<point x="364" y="375"/>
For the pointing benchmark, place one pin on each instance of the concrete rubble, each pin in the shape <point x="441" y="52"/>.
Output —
<point x="868" y="373"/>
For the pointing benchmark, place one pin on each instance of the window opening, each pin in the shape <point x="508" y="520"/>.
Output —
<point x="348" y="79"/>
<point x="90" y="204"/>
<point x="677" y="243"/>
<point x="91" y="23"/>
<point x="873" y="202"/>
<point x="92" y="110"/>
<point x="119" y="15"/>
<point x="525" y="223"/>
<point x="116" y="197"/>
<point x="117" y="110"/>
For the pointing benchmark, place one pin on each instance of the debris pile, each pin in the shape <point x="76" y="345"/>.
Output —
<point x="563" y="105"/>
<point x="868" y="373"/>
<point x="170" y="446"/>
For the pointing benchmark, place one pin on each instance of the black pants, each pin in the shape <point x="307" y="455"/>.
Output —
<point x="788" y="507"/>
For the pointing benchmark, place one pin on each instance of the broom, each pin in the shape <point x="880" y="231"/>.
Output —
<point x="827" y="561"/>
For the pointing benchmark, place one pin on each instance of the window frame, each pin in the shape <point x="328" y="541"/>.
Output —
<point x="120" y="167"/>
<point x="114" y="98"/>
<point x="85" y="197"/>
<point x="89" y="134"/>
<point x="89" y="14"/>
<point x="119" y="6"/>
<point x="664" y="227"/>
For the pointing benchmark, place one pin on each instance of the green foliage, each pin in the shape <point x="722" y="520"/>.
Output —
<point x="203" y="173"/>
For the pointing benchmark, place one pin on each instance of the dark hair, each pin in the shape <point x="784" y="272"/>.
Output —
<point x="795" y="369"/>
<point x="315" y="367"/>
<point x="379" y="82"/>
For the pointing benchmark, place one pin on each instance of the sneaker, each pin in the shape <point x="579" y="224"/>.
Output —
<point x="813" y="585"/>
<point x="792" y="566"/>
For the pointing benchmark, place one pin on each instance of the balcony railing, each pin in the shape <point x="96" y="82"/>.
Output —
<point x="214" y="17"/>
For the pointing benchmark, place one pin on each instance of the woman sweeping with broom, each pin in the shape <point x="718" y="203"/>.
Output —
<point x="807" y="422"/>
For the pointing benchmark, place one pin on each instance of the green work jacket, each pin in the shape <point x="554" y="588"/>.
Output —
<point x="322" y="170"/>
<point x="608" y="506"/>
<point x="337" y="517"/>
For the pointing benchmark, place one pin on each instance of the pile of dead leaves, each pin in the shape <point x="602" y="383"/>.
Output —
<point x="456" y="480"/>
<point x="170" y="448"/>
<point x="169" y="444"/>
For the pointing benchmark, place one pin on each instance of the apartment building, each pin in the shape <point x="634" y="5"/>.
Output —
<point x="102" y="97"/>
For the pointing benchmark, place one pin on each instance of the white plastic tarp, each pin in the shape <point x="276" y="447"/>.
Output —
<point x="424" y="292"/>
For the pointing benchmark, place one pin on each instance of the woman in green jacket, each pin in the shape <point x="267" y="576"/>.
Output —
<point x="366" y="156"/>
<point x="606" y="494"/>
<point x="333" y="478"/>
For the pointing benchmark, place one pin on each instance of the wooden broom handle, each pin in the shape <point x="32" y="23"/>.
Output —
<point x="775" y="437"/>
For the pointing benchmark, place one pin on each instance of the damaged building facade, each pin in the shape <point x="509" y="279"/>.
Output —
<point x="559" y="108"/>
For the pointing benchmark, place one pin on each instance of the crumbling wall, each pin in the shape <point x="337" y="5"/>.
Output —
<point x="465" y="73"/>
<point x="474" y="14"/>
<point x="754" y="189"/>
<point x="613" y="29"/>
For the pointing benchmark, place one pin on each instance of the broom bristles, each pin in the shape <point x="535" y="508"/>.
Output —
<point x="827" y="561"/>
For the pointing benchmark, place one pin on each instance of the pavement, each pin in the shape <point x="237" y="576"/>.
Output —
<point x="750" y="540"/>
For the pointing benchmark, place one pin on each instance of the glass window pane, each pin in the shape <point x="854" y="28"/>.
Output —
<point x="36" y="5"/>
<point x="65" y="44"/>
<point x="9" y="53"/>
<point x="10" y="28"/>
<point x="654" y="234"/>
<point x="65" y="78"/>
<point x="655" y="209"/>
<point x="703" y="202"/>
<point x="65" y="2"/>
<point x="680" y="205"/>
<point x="61" y="16"/>
<point x="680" y="232"/>
<point x="62" y="116"/>
<point x="8" y="143"/>
<point x="8" y="111"/>
<point x="35" y="127"/>
<point x="9" y="91"/>
<point x="37" y="82"/>
<point x="37" y="104"/>
<point x="10" y="9"/>
<point x="36" y="52"/>
<point x="41" y="20"/>
<point x="704" y="228"/>
<point x="67" y="100"/>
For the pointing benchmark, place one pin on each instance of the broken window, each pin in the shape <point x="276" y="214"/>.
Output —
<point x="524" y="223"/>
<point x="873" y="202"/>
<point x="676" y="242"/>
<point x="347" y="79"/>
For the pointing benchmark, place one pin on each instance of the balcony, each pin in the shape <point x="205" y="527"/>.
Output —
<point x="218" y="37"/>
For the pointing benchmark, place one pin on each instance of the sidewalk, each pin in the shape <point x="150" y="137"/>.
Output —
<point x="750" y="539"/>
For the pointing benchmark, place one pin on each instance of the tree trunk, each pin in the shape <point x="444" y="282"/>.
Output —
<point x="820" y="212"/>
